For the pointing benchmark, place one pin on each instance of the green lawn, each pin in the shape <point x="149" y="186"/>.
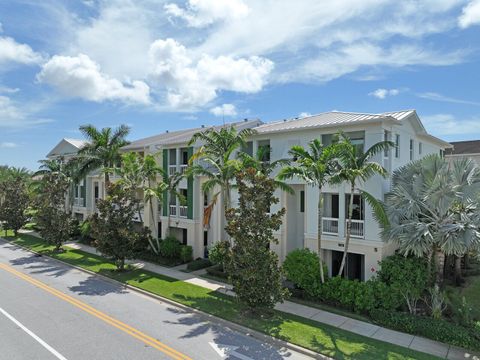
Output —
<point x="318" y="337"/>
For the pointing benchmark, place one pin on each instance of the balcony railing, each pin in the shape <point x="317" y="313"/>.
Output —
<point x="173" y="210"/>
<point x="183" y="168"/>
<point x="78" y="202"/>
<point x="330" y="226"/>
<point x="183" y="211"/>
<point x="172" y="169"/>
<point x="357" y="229"/>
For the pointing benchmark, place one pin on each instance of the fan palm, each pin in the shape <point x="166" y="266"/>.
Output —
<point x="433" y="209"/>
<point x="356" y="165"/>
<point x="315" y="166"/>
<point x="102" y="150"/>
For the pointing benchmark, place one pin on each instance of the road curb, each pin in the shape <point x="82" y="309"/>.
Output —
<point x="226" y="323"/>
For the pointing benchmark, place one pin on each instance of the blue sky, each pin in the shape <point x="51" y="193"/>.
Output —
<point x="165" y="65"/>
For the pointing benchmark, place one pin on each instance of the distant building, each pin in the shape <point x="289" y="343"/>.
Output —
<point x="462" y="149"/>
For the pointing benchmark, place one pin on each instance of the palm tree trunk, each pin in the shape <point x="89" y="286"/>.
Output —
<point x="319" y="231"/>
<point x="439" y="266"/>
<point x="226" y="206"/>
<point x="458" y="270"/>
<point x="349" y="229"/>
<point x="107" y="183"/>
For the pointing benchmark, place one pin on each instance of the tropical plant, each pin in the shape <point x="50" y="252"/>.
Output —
<point x="113" y="227"/>
<point x="315" y="166"/>
<point x="356" y="165"/>
<point x="102" y="149"/>
<point x="433" y="209"/>
<point x="252" y="267"/>
<point x="265" y="167"/>
<point x="301" y="268"/>
<point x="217" y="155"/>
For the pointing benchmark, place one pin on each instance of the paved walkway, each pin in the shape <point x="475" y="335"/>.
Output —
<point x="359" y="327"/>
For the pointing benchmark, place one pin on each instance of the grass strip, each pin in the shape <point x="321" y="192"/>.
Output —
<point x="321" y="338"/>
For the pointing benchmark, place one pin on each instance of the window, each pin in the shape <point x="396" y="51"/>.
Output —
<point x="302" y="201"/>
<point x="420" y="148"/>
<point x="184" y="156"/>
<point x="248" y="148"/>
<point x="172" y="157"/>
<point x="386" y="137"/>
<point x="96" y="191"/>
<point x="205" y="199"/>
<point x="358" y="207"/>
<point x="397" y="146"/>
<point x="184" y="236"/>
<point x="442" y="153"/>
<point x="265" y="146"/>
<point x="411" y="149"/>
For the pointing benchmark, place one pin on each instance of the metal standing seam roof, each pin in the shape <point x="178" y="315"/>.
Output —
<point x="332" y="118"/>
<point x="78" y="143"/>
<point x="184" y="136"/>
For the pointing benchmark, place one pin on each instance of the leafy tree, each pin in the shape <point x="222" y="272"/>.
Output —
<point x="14" y="200"/>
<point x="219" y="163"/>
<point x="433" y="209"/>
<point x="252" y="266"/>
<point x="53" y="219"/>
<point x="315" y="166"/>
<point x="356" y="165"/>
<point x="114" y="229"/>
<point x="102" y="149"/>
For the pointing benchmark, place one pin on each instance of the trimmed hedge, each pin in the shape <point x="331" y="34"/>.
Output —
<point x="440" y="330"/>
<point x="217" y="271"/>
<point x="170" y="248"/>
<point x="198" y="264"/>
<point x="186" y="253"/>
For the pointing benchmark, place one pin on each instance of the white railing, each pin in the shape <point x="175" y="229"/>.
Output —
<point x="330" y="226"/>
<point x="183" y="211"/>
<point x="357" y="228"/>
<point x="78" y="202"/>
<point x="172" y="169"/>
<point x="183" y="168"/>
<point x="138" y="217"/>
<point x="173" y="210"/>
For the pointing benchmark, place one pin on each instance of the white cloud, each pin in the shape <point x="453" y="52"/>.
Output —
<point x="8" y="145"/>
<point x="224" y="110"/>
<point x="470" y="15"/>
<point x="304" y="114"/>
<point x="13" y="52"/>
<point x="439" y="97"/>
<point x="200" y="13"/>
<point x="14" y="115"/>
<point x="79" y="76"/>
<point x="191" y="83"/>
<point x="447" y="124"/>
<point x="8" y="90"/>
<point x="383" y="93"/>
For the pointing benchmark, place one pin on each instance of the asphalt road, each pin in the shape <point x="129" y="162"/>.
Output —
<point x="50" y="311"/>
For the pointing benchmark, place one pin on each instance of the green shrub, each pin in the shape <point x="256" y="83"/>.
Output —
<point x="302" y="267"/>
<point x="186" y="253"/>
<point x="198" y="264"/>
<point x="170" y="248"/>
<point x="407" y="277"/>
<point x="358" y="296"/>
<point x="435" y="329"/>
<point x="218" y="253"/>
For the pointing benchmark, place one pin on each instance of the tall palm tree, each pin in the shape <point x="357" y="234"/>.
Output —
<point x="314" y="165"/>
<point x="265" y="167"/>
<point x="217" y="154"/>
<point x="356" y="165"/>
<point x="433" y="209"/>
<point x="102" y="149"/>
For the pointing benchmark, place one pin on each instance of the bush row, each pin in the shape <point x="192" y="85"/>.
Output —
<point x="198" y="264"/>
<point x="435" y="329"/>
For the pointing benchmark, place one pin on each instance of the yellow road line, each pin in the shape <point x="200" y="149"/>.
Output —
<point x="174" y="354"/>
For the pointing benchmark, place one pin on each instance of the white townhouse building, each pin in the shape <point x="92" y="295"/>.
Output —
<point x="195" y="226"/>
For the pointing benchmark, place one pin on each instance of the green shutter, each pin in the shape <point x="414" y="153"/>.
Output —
<point x="190" y="189"/>
<point x="83" y="191"/>
<point x="165" y="178"/>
